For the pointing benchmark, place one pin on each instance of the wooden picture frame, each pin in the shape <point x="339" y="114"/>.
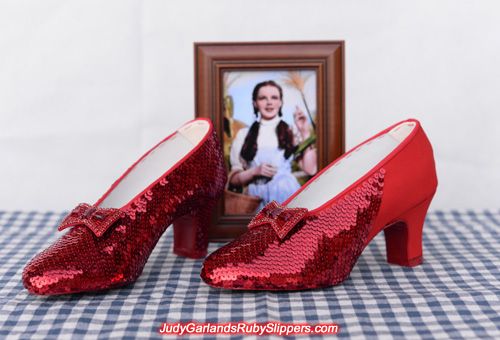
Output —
<point x="324" y="58"/>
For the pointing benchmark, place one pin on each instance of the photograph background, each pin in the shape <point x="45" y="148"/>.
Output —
<point x="298" y="87"/>
<point x="244" y="82"/>
<point x="86" y="87"/>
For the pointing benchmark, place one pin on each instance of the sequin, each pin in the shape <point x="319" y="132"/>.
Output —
<point x="107" y="248"/>
<point x="96" y="219"/>
<point x="319" y="250"/>
<point x="281" y="218"/>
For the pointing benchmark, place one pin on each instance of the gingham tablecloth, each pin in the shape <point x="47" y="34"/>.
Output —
<point x="454" y="294"/>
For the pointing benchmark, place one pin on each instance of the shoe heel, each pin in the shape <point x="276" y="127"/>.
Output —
<point x="403" y="238"/>
<point x="191" y="231"/>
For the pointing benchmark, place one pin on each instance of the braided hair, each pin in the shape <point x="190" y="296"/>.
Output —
<point x="283" y="131"/>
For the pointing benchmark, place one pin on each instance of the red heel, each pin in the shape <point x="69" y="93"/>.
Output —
<point x="191" y="231"/>
<point x="403" y="237"/>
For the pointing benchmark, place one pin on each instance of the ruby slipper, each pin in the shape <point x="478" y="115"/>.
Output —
<point x="178" y="181"/>
<point x="315" y="238"/>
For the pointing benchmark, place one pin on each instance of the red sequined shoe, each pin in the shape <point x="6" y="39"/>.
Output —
<point x="178" y="181"/>
<point x="315" y="238"/>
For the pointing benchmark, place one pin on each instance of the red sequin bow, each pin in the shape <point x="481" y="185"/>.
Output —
<point x="281" y="218"/>
<point x="97" y="219"/>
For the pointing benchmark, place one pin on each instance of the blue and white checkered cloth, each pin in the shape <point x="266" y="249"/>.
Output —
<point x="454" y="294"/>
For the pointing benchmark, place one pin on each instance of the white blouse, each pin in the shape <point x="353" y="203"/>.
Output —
<point x="267" y="138"/>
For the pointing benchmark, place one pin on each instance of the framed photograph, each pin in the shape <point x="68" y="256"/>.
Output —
<point x="278" y="109"/>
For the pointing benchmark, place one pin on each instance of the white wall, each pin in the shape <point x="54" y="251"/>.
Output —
<point x="87" y="86"/>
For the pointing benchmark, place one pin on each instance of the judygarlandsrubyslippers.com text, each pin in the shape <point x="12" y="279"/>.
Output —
<point x="244" y="328"/>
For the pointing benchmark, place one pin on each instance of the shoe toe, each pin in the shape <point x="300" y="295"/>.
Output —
<point x="73" y="264"/>
<point x="227" y="273"/>
<point x="46" y="275"/>
<point x="248" y="262"/>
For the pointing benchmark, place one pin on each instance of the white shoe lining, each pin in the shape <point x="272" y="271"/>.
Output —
<point x="352" y="167"/>
<point x="156" y="163"/>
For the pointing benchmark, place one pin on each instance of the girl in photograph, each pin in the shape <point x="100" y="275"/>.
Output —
<point x="261" y="156"/>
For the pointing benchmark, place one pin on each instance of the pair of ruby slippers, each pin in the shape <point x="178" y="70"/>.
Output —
<point x="312" y="240"/>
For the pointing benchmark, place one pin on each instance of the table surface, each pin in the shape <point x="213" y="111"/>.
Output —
<point x="454" y="294"/>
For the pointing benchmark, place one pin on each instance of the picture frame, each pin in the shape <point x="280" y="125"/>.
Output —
<point x="320" y="64"/>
